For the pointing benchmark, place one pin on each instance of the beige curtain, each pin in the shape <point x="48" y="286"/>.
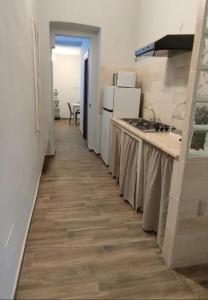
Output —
<point x="153" y="187"/>
<point x="166" y="173"/>
<point x="128" y="168"/>
<point x="115" y="152"/>
<point x="142" y="178"/>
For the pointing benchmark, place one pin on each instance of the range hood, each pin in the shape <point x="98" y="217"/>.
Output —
<point x="169" y="45"/>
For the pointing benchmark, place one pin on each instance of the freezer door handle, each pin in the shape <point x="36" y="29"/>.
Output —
<point x="108" y="110"/>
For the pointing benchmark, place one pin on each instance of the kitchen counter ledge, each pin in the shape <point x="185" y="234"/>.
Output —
<point x="167" y="142"/>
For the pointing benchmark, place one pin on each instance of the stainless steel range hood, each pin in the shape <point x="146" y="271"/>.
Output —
<point x="169" y="45"/>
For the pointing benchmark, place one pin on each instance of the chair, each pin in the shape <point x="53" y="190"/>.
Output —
<point x="71" y="114"/>
<point x="77" y="112"/>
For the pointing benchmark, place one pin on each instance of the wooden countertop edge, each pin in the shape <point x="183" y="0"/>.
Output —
<point x="144" y="136"/>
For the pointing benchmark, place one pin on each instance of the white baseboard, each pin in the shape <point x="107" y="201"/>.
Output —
<point x="97" y="152"/>
<point x="25" y="238"/>
<point x="52" y="152"/>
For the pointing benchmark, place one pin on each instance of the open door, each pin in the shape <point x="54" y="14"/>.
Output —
<point x="85" y="115"/>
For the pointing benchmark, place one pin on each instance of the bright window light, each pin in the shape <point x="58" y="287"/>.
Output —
<point x="61" y="50"/>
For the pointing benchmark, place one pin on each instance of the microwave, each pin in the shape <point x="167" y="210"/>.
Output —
<point x="124" y="79"/>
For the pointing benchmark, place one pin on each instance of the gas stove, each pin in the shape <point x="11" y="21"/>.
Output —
<point x="148" y="126"/>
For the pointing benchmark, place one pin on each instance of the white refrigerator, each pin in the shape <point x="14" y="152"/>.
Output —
<point x="117" y="103"/>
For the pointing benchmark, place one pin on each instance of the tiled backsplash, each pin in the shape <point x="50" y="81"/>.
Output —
<point x="164" y="84"/>
<point x="163" y="81"/>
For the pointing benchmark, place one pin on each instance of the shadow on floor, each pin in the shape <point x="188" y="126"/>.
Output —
<point x="47" y="162"/>
<point x="197" y="277"/>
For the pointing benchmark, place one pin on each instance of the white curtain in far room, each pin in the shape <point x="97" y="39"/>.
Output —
<point x="66" y="76"/>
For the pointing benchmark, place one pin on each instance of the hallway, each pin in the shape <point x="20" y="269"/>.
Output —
<point x="85" y="242"/>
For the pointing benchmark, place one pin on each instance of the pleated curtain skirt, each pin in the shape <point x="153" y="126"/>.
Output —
<point x="147" y="186"/>
<point x="153" y="188"/>
<point x="115" y="152"/>
<point x="128" y="168"/>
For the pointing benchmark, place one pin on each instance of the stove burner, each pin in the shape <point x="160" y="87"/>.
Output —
<point x="148" y="126"/>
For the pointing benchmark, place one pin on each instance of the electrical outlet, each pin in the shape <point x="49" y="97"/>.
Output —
<point x="201" y="208"/>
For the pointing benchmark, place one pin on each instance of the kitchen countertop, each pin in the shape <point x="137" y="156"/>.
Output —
<point x="167" y="142"/>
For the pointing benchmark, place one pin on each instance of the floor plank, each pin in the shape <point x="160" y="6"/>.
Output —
<point x="85" y="242"/>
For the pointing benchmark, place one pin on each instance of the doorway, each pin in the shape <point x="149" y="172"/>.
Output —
<point x="89" y="119"/>
<point x="86" y="84"/>
<point x="71" y="69"/>
<point x="66" y="79"/>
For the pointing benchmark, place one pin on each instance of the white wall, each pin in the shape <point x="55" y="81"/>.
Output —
<point x="157" y="18"/>
<point x="117" y="20"/>
<point x="66" y="78"/>
<point x="21" y="147"/>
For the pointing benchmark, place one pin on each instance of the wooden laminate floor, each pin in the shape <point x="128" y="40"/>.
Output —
<point x="85" y="242"/>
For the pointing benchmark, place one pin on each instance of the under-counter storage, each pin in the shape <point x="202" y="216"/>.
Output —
<point x="124" y="162"/>
<point x="153" y="188"/>
<point x="128" y="168"/>
<point x="144" y="174"/>
<point x="115" y="151"/>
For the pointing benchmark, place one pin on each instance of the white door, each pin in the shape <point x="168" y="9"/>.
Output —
<point x="126" y="103"/>
<point x="105" y="136"/>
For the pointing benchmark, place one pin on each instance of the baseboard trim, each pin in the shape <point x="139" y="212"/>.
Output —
<point x="46" y="162"/>
<point x="22" y="254"/>
<point x="94" y="151"/>
<point x="103" y="161"/>
<point x="51" y="154"/>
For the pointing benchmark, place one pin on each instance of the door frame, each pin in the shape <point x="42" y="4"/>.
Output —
<point x="93" y="33"/>
<point x="86" y="96"/>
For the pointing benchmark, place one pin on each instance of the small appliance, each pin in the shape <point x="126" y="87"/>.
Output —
<point x="125" y="79"/>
